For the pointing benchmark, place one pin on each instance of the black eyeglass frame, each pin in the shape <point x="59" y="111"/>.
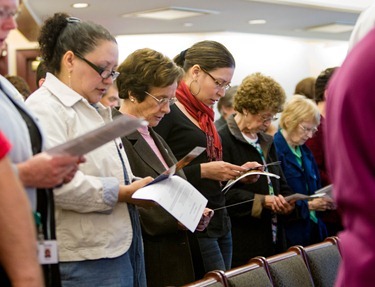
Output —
<point x="102" y="72"/>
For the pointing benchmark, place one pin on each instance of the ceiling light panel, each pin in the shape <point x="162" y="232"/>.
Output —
<point x="170" y="13"/>
<point x="331" y="28"/>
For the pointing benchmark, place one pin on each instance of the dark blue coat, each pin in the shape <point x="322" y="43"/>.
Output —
<point x="300" y="230"/>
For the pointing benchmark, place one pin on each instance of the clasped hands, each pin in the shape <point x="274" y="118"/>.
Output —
<point x="322" y="204"/>
<point x="278" y="204"/>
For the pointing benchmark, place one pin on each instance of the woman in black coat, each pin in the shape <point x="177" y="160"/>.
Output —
<point x="257" y="224"/>
<point x="147" y="84"/>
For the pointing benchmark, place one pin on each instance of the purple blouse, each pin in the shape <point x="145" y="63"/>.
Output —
<point x="350" y="142"/>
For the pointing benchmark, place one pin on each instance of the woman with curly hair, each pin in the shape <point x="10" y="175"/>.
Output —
<point x="257" y="224"/>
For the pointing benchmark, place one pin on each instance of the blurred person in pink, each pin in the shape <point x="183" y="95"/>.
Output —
<point x="351" y="160"/>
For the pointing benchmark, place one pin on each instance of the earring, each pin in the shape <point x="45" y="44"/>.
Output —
<point x="191" y="89"/>
<point x="132" y="100"/>
<point x="70" y="80"/>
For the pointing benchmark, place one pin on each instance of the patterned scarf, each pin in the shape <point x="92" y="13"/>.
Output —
<point x="205" y="117"/>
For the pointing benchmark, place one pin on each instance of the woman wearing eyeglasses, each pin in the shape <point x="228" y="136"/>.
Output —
<point x="257" y="225"/>
<point x="209" y="68"/>
<point x="97" y="225"/>
<point x="298" y="122"/>
<point x="147" y="84"/>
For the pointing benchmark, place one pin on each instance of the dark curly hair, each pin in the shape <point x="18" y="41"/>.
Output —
<point x="61" y="33"/>
<point x="143" y="69"/>
<point x="209" y="55"/>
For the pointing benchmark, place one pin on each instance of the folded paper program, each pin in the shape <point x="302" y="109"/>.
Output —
<point x="323" y="192"/>
<point x="230" y="183"/>
<point x="87" y="142"/>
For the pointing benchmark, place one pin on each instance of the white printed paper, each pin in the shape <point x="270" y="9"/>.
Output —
<point x="177" y="196"/>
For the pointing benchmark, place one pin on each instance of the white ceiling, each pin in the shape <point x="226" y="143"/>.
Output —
<point x="284" y="18"/>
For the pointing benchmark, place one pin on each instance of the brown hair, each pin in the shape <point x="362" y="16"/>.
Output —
<point x="143" y="69"/>
<point x="209" y="55"/>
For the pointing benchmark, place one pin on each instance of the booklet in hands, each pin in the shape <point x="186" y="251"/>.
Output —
<point x="325" y="191"/>
<point x="120" y="126"/>
<point x="231" y="182"/>
<point x="176" y="195"/>
<point x="179" y="165"/>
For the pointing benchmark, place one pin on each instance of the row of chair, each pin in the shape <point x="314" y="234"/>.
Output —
<point x="315" y="265"/>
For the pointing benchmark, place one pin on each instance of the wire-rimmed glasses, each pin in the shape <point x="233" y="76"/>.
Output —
<point x="163" y="100"/>
<point x="221" y="85"/>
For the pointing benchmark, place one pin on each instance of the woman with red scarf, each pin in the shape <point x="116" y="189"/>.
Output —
<point x="209" y="68"/>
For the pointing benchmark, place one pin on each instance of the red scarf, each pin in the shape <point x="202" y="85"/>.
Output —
<point x="205" y="117"/>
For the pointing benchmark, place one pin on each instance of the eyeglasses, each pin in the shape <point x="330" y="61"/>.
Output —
<point x="163" y="101"/>
<point x="308" y="130"/>
<point x="220" y="85"/>
<point x="266" y="119"/>
<point x="105" y="74"/>
<point x="5" y="13"/>
<point x="73" y="20"/>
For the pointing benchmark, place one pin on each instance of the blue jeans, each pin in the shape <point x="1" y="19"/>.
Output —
<point x="127" y="270"/>
<point x="216" y="252"/>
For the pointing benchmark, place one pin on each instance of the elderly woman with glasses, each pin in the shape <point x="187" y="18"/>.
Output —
<point x="147" y="83"/>
<point x="257" y="223"/>
<point x="298" y="122"/>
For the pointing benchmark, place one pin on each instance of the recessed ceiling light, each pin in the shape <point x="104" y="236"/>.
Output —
<point x="257" y="22"/>
<point x="170" y="13"/>
<point x="80" y="5"/>
<point x="331" y="28"/>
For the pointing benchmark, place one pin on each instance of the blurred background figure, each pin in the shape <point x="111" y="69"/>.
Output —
<point x="41" y="72"/>
<point x="316" y="144"/>
<point x="225" y="106"/>
<point x="298" y="122"/>
<point x="306" y="87"/>
<point x="257" y="226"/>
<point x="20" y="84"/>
<point x="111" y="98"/>
<point x="19" y="264"/>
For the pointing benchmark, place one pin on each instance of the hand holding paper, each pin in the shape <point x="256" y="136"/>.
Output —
<point x="325" y="191"/>
<point x="205" y="219"/>
<point x="126" y="192"/>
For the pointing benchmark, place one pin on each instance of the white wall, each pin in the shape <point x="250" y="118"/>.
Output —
<point x="287" y="60"/>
